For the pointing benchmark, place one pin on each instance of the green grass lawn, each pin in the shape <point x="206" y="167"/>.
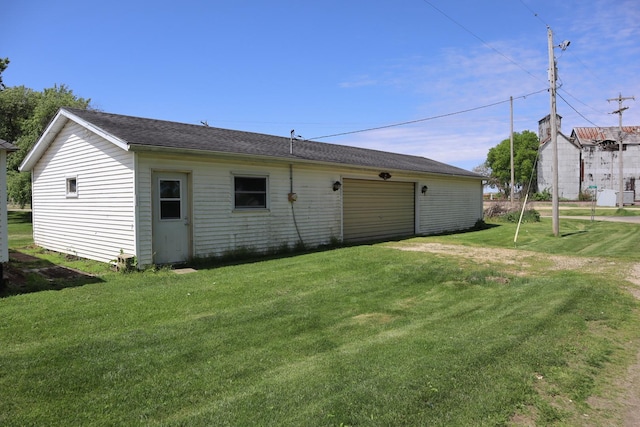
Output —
<point x="585" y="210"/>
<point x="364" y="335"/>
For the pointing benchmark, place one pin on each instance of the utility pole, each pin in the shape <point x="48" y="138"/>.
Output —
<point x="554" y="137"/>
<point x="619" y="111"/>
<point x="511" y="139"/>
<point x="555" y="201"/>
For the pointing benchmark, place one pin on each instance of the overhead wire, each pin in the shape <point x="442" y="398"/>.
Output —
<point x="535" y="14"/>
<point x="474" y="108"/>
<point x="574" y="109"/>
<point x="481" y="40"/>
<point x="409" y="122"/>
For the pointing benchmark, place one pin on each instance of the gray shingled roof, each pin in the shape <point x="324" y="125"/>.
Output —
<point x="142" y="132"/>
<point x="4" y="145"/>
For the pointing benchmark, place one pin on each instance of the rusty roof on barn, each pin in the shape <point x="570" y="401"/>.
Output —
<point x="587" y="136"/>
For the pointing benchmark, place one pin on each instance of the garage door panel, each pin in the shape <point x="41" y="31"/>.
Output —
<point x="377" y="209"/>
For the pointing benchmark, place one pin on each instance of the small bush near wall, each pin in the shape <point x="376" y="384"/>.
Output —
<point x="543" y="196"/>
<point x="529" y="215"/>
<point x="496" y="209"/>
<point x="586" y="196"/>
<point x="504" y="212"/>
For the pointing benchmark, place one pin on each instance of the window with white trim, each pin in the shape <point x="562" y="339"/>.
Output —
<point x="72" y="186"/>
<point x="170" y="199"/>
<point x="250" y="192"/>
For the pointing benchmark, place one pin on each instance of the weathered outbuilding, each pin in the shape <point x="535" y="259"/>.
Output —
<point x="589" y="159"/>
<point x="105" y="184"/>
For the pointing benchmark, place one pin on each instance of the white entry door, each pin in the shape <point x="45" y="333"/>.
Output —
<point x="171" y="223"/>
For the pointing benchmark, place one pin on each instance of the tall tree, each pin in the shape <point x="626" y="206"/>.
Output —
<point x="24" y="114"/>
<point x="525" y="153"/>
<point x="4" y="63"/>
<point x="31" y="112"/>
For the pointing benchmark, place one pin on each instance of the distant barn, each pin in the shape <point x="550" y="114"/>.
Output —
<point x="588" y="160"/>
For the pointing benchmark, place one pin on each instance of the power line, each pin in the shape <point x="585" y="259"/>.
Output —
<point x="583" y="103"/>
<point x="577" y="112"/>
<point x="426" y="118"/>
<point x="481" y="40"/>
<point x="535" y="14"/>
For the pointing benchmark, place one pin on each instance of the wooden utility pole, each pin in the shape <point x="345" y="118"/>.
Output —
<point x="511" y="139"/>
<point x="619" y="111"/>
<point x="555" y="201"/>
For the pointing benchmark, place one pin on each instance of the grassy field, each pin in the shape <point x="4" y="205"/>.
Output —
<point x="365" y="335"/>
<point x="586" y="209"/>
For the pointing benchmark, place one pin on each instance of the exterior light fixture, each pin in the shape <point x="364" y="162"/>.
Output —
<point x="337" y="185"/>
<point x="385" y="175"/>
<point x="424" y="189"/>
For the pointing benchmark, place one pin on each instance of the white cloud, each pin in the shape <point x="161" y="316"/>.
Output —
<point x="600" y="62"/>
<point x="359" y="81"/>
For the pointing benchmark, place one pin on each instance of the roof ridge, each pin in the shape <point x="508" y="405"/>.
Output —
<point x="140" y="132"/>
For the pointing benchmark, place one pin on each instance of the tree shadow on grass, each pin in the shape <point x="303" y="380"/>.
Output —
<point x="26" y="273"/>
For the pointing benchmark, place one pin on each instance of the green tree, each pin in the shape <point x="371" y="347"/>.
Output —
<point x="32" y="113"/>
<point x="4" y="63"/>
<point x="484" y="170"/>
<point x="16" y="106"/>
<point x="24" y="114"/>
<point x="525" y="152"/>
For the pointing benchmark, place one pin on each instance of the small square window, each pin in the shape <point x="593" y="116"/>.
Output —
<point x="250" y="192"/>
<point x="72" y="187"/>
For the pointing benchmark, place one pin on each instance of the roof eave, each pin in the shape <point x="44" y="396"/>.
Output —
<point x="52" y="130"/>
<point x="49" y="134"/>
<point x="288" y="159"/>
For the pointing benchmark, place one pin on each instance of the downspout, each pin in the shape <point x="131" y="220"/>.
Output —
<point x="292" y="198"/>
<point x="136" y="212"/>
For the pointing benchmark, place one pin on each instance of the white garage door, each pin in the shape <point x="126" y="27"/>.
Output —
<point x="377" y="209"/>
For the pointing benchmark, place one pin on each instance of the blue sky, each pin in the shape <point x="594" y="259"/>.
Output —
<point x="336" y="66"/>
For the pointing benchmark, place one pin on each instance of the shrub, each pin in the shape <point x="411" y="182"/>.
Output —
<point x="504" y="212"/>
<point x="586" y="196"/>
<point x="496" y="210"/>
<point x="543" y="196"/>
<point x="479" y="225"/>
<point x="529" y="215"/>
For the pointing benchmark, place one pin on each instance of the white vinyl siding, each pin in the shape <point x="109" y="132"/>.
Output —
<point x="112" y="210"/>
<point x="449" y="204"/>
<point x="378" y="209"/>
<point x="218" y="228"/>
<point x="98" y="221"/>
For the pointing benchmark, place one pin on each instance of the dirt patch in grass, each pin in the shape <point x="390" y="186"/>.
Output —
<point x="626" y="396"/>
<point x="520" y="259"/>
<point x="26" y="273"/>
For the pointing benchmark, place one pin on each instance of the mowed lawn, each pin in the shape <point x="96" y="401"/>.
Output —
<point x="363" y="335"/>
